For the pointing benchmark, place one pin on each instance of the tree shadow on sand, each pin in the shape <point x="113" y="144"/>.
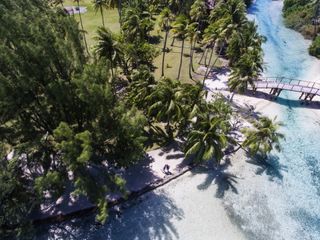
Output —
<point x="269" y="166"/>
<point x="225" y="181"/>
<point x="148" y="217"/>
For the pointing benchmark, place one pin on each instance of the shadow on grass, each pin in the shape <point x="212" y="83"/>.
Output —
<point x="225" y="181"/>
<point x="155" y="39"/>
<point x="148" y="217"/>
<point x="269" y="166"/>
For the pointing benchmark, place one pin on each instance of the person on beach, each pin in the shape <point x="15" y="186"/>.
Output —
<point x="166" y="169"/>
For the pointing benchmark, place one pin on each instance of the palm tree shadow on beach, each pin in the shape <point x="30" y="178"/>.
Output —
<point x="225" y="181"/>
<point x="148" y="217"/>
<point x="269" y="166"/>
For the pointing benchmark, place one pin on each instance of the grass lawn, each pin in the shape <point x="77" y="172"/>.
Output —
<point x="92" y="20"/>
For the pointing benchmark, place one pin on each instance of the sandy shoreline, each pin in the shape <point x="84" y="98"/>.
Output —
<point x="149" y="176"/>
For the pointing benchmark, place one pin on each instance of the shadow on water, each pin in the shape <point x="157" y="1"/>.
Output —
<point x="293" y="103"/>
<point x="225" y="181"/>
<point x="269" y="166"/>
<point x="314" y="168"/>
<point x="309" y="222"/>
<point x="148" y="217"/>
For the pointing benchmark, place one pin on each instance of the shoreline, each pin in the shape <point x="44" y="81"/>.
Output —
<point x="250" y="104"/>
<point x="66" y="208"/>
<point x="131" y="196"/>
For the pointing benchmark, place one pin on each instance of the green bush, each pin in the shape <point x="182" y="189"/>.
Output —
<point x="314" y="49"/>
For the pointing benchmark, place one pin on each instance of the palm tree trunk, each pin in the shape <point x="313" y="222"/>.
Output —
<point x="173" y="40"/>
<point x="164" y="52"/>
<point x="206" y="58"/>
<point x="190" y="58"/>
<point x="208" y="68"/>
<point x="120" y="10"/>
<point x="102" y="16"/>
<point x="181" y="59"/>
<point x="202" y="55"/>
<point x="193" y="48"/>
<point x="81" y="23"/>
<point x="111" y="66"/>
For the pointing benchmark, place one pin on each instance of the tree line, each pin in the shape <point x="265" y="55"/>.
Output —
<point x="304" y="17"/>
<point x="70" y="117"/>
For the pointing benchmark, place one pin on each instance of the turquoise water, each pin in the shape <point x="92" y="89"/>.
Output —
<point x="280" y="201"/>
<point x="295" y="202"/>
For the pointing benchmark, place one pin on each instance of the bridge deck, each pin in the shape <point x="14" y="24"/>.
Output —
<point x="289" y="85"/>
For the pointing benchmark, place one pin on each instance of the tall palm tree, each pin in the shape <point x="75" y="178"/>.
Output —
<point x="264" y="137"/>
<point x="166" y="18"/>
<point x="82" y="28"/>
<point x="108" y="48"/>
<point x="99" y="5"/>
<point x="180" y="30"/>
<point x="226" y="18"/>
<point x="244" y="40"/>
<point x="136" y="21"/>
<point x="116" y="4"/>
<point x="199" y="13"/>
<point x="246" y="57"/>
<point x="246" y="72"/>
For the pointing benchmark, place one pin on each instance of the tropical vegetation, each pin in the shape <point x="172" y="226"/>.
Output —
<point x="71" y="114"/>
<point x="304" y="17"/>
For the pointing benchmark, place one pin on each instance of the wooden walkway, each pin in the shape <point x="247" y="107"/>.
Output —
<point x="276" y="85"/>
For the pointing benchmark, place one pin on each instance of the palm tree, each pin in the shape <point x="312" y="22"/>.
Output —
<point x="207" y="139"/>
<point x="199" y="18"/>
<point x="246" y="55"/>
<point x="117" y="4"/>
<point x="82" y="28"/>
<point x="226" y="18"/>
<point x="166" y="18"/>
<point x="99" y="5"/>
<point x="108" y="48"/>
<point x="180" y="30"/>
<point x="242" y="41"/>
<point x="141" y="87"/>
<point x="193" y="35"/>
<point x="136" y="21"/>
<point x="246" y="72"/>
<point x="199" y="13"/>
<point x="165" y="104"/>
<point x="264" y="137"/>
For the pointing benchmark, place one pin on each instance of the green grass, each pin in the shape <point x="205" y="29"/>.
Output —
<point x="172" y="61"/>
<point x="92" y="20"/>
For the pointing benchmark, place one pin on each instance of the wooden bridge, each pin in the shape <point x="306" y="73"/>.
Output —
<point x="276" y="85"/>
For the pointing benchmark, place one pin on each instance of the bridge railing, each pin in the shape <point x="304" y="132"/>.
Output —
<point x="290" y="81"/>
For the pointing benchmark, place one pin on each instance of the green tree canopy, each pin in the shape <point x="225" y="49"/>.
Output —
<point x="58" y="114"/>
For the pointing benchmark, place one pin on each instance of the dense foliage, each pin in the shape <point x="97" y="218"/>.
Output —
<point x="59" y="116"/>
<point x="314" y="49"/>
<point x="301" y="15"/>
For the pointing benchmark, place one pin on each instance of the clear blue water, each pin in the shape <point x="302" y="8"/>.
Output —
<point x="296" y="200"/>
<point x="282" y="201"/>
